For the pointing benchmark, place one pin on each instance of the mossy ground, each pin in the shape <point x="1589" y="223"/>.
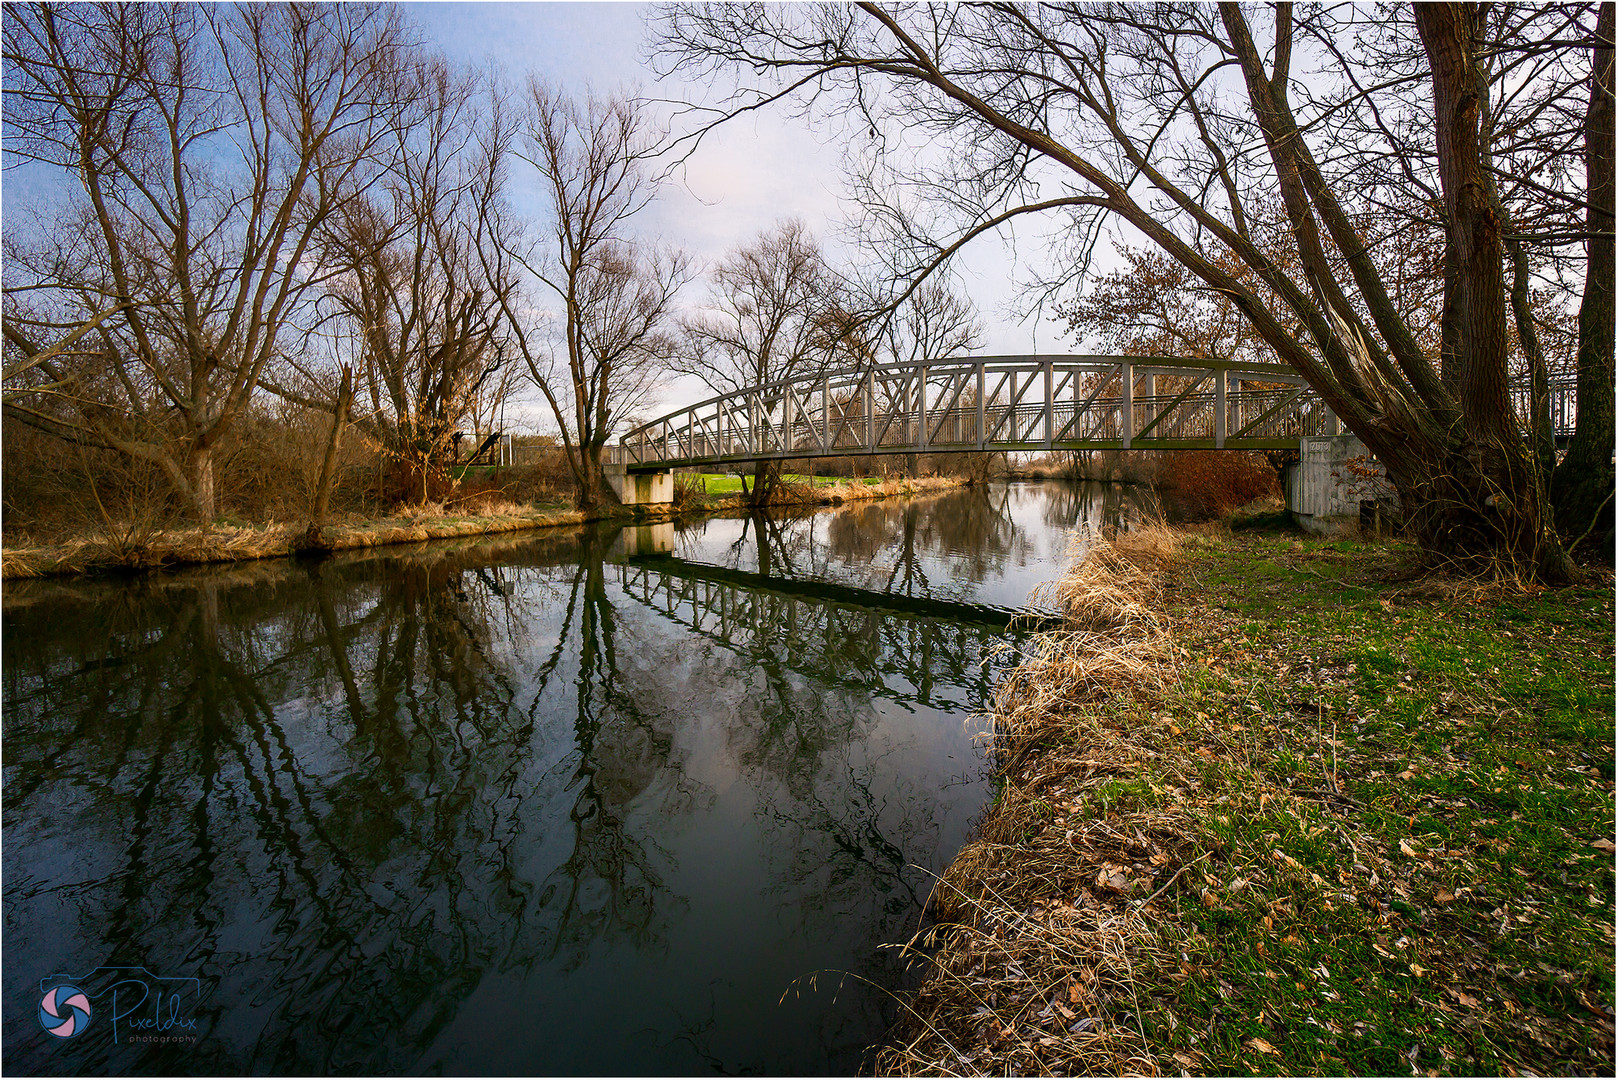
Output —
<point x="731" y="483"/>
<point x="1364" y="826"/>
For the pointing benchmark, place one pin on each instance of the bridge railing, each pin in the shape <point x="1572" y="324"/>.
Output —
<point x="1004" y="403"/>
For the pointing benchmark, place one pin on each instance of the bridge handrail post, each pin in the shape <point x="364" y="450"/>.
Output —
<point x="923" y="435"/>
<point x="1220" y="415"/>
<point x="870" y="410"/>
<point x="826" y="440"/>
<point x="1050" y="402"/>
<point x="981" y="404"/>
<point x="1126" y="372"/>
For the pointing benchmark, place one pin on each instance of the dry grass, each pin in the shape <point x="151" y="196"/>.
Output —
<point x="224" y="544"/>
<point x="1041" y="917"/>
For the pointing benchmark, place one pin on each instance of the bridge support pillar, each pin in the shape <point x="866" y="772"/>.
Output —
<point x="1337" y="486"/>
<point x="634" y="541"/>
<point x="639" y="489"/>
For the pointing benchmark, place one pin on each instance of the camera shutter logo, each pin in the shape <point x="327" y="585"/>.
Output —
<point x="64" y="1011"/>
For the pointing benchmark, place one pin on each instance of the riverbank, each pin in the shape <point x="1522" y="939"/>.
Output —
<point x="1268" y="806"/>
<point x="130" y="548"/>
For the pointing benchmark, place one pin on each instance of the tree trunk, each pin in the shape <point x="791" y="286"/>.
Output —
<point x="1482" y="497"/>
<point x="762" y="483"/>
<point x="201" y="476"/>
<point x="588" y="477"/>
<point x="328" y="466"/>
<point x="593" y="490"/>
<point x="1582" y="487"/>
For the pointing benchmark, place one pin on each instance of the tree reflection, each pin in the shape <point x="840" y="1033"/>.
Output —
<point x="346" y="793"/>
<point x="853" y="829"/>
<point x="346" y="757"/>
<point x="938" y="546"/>
<point x="1071" y="503"/>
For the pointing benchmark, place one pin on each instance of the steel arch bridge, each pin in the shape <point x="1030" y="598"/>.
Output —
<point x="991" y="403"/>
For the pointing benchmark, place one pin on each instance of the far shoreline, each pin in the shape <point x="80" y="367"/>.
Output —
<point x="173" y="548"/>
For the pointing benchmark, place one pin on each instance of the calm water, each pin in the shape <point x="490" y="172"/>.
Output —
<point x="587" y="802"/>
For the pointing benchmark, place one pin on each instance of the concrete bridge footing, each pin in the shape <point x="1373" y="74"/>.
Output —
<point x="640" y="488"/>
<point x="1337" y="486"/>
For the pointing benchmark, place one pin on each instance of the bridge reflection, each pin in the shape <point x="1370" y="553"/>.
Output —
<point x="349" y="794"/>
<point x="838" y="635"/>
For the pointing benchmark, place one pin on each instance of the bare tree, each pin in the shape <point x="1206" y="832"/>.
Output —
<point x="1155" y="306"/>
<point x="930" y="323"/>
<point x="417" y="298"/>
<point x="1183" y="122"/>
<point x="765" y="319"/>
<point x="206" y="146"/>
<point x="601" y="360"/>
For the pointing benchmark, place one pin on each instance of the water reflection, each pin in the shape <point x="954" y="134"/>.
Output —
<point x="574" y="803"/>
<point x="988" y="544"/>
<point x="353" y="796"/>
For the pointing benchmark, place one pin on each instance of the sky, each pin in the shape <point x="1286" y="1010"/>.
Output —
<point x="742" y="179"/>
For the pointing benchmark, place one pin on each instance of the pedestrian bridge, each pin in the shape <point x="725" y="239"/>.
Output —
<point x="990" y="403"/>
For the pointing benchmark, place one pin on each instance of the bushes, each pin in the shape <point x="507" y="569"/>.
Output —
<point x="54" y="491"/>
<point x="1196" y="485"/>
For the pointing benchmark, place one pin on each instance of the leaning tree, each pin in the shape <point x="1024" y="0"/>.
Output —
<point x="1186" y="124"/>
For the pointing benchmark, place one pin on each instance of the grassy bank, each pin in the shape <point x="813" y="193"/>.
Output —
<point x="1268" y="807"/>
<point x="725" y="493"/>
<point x="133" y="548"/>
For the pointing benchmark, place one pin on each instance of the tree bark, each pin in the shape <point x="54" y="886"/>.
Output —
<point x="200" y="466"/>
<point x="1485" y="495"/>
<point x="1582" y="487"/>
<point x="328" y="465"/>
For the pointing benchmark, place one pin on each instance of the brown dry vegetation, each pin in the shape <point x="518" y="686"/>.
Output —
<point x="128" y="529"/>
<point x="1035" y="949"/>
<point x="1269" y="808"/>
<point x="1193" y="485"/>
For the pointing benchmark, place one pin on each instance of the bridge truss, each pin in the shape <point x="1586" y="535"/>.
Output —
<point x="991" y="403"/>
<point x="994" y="403"/>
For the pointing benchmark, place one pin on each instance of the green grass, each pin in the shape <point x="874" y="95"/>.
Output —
<point x="1445" y="909"/>
<point x="730" y="484"/>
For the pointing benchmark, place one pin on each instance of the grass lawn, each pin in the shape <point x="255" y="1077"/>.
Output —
<point x="1364" y="826"/>
<point x="730" y="484"/>
<point x="1451" y="908"/>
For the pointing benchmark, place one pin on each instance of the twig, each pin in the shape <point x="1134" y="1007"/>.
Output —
<point x="1595" y="519"/>
<point x="1327" y="580"/>
<point x="1175" y="878"/>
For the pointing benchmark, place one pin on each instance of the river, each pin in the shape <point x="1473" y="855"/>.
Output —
<point x="591" y="801"/>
